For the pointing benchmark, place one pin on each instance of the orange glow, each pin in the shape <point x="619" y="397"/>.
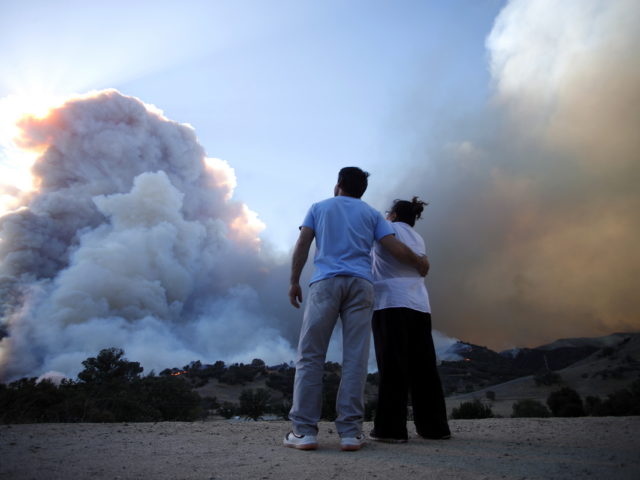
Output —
<point x="16" y="160"/>
<point x="221" y="175"/>
<point x="246" y="227"/>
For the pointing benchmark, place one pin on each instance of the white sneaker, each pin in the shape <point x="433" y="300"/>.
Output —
<point x="351" y="444"/>
<point x="301" y="442"/>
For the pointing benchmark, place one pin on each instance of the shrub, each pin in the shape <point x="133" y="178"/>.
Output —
<point x="593" y="406"/>
<point x="227" y="410"/>
<point x="491" y="395"/>
<point x="370" y="407"/>
<point x="623" y="402"/>
<point x="254" y="403"/>
<point x="281" y="409"/>
<point x="471" y="410"/>
<point x="529" y="408"/>
<point x="565" y="403"/>
<point x="282" y="381"/>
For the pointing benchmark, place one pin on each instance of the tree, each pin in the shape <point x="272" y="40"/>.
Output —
<point x="254" y="403"/>
<point x="529" y="408"/>
<point x="108" y="366"/>
<point x="471" y="410"/>
<point x="565" y="403"/>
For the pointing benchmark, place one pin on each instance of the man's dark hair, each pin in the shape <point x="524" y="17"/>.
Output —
<point x="408" y="211"/>
<point x="353" y="181"/>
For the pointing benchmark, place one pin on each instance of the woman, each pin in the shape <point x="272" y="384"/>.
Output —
<point x="402" y="336"/>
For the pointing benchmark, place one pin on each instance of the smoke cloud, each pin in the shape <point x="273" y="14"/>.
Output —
<point x="131" y="239"/>
<point x="533" y="224"/>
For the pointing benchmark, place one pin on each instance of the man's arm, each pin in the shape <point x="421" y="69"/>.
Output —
<point x="404" y="254"/>
<point x="300" y="254"/>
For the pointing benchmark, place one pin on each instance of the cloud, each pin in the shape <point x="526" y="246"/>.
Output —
<point x="533" y="222"/>
<point x="132" y="239"/>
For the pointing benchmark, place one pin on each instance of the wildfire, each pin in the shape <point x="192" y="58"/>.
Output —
<point x="467" y="359"/>
<point x="175" y="374"/>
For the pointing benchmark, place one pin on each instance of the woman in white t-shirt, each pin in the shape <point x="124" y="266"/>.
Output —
<point x="402" y="336"/>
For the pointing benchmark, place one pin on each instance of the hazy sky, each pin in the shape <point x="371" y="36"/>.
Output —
<point x="287" y="92"/>
<point x="517" y="121"/>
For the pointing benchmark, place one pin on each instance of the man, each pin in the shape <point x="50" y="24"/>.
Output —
<point x="345" y="229"/>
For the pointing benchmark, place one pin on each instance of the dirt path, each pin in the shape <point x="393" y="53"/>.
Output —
<point x="593" y="448"/>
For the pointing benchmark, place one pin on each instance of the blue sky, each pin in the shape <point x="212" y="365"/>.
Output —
<point x="287" y="92"/>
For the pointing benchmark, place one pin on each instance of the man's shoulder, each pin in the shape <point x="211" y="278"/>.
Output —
<point x="354" y="206"/>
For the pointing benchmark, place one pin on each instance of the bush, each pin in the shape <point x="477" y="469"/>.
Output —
<point x="529" y="408"/>
<point x="228" y="410"/>
<point x="281" y="409"/>
<point x="593" y="407"/>
<point x="254" y="403"/>
<point x="471" y="410"/>
<point x="625" y="402"/>
<point x="282" y="381"/>
<point x="491" y="395"/>
<point x="565" y="403"/>
<point x="370" y="408"/>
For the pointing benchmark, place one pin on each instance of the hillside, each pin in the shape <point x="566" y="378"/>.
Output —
<point x="612" y="366"/>
<point x="592" y="366"/>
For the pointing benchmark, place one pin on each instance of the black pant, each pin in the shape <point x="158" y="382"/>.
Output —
<point x="407" y="363"/>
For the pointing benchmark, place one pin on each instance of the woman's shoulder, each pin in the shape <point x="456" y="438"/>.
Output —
<point x="407" y="233"/>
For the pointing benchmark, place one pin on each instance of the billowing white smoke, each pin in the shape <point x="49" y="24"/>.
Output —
<point x="131" y="240"/>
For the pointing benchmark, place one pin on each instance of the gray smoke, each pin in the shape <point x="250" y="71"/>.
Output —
<point x="533" y="224"/>
<point x="132" y="240"/>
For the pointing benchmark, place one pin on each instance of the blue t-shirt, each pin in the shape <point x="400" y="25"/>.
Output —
<point x="345" y="229"/>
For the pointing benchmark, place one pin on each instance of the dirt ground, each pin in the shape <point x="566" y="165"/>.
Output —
<point x="505" y="448"/>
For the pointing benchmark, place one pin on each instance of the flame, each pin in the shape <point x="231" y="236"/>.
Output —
<point x="175" y="374"/>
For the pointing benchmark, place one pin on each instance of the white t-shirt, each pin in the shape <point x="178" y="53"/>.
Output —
<point x="396" y="284"/>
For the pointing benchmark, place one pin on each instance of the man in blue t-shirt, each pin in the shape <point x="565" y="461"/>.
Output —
<point x="345" y="229"/>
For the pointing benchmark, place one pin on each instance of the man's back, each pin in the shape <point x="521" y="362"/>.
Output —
<point x="345" y="229"/>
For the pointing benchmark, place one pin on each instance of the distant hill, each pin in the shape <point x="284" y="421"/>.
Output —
<point x="591" y="366"/>
<point x="481" y="367"/>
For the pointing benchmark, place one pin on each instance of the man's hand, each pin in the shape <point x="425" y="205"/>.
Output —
<point x="404" y="254"/>
<point x="423" y="266"/>
<point x="295" y="294"/>
<point x="300" y="254"/>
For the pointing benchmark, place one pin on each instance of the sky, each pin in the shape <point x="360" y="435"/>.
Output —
<point x="516" y="120"/>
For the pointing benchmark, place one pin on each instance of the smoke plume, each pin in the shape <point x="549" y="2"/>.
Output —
<point x="131" y="239"/>
<point x="533" y="223"/>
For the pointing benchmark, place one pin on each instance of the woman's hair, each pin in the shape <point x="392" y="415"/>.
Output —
<point x="408" y="211"/>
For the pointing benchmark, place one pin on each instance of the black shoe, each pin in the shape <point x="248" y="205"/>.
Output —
<point x="377" y="438"/>
<point x="446" y="436"/>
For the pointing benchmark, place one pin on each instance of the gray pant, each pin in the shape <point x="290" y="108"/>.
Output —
<point x="351" y="299"/>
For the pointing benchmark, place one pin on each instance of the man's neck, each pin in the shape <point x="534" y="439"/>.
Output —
<point x="342" y="193"/>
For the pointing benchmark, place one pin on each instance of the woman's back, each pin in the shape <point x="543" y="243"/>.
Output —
<point x="395" y="284"/>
